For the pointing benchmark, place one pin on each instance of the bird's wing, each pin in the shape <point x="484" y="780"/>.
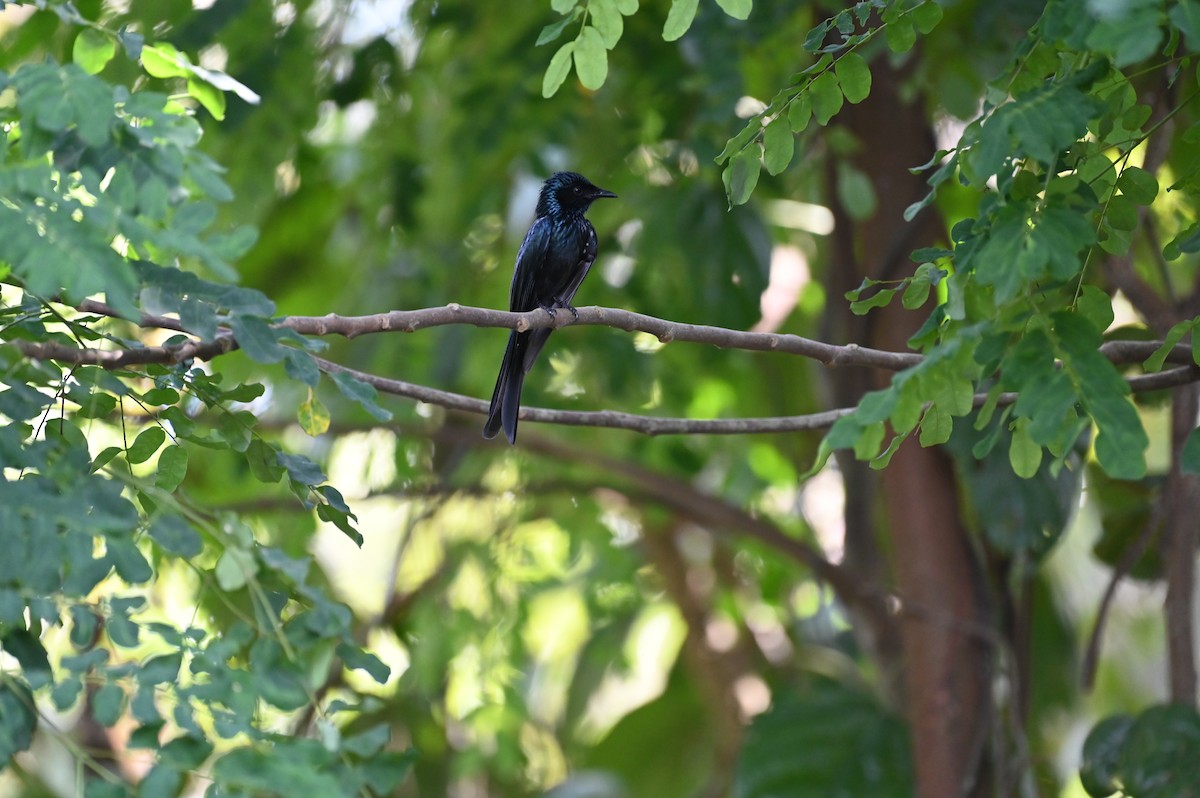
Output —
<point x="531" y="258"/>
<point x="587" y="257"/>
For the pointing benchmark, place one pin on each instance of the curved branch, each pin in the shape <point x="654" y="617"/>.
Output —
<point x="662" y="329"/>
<point x="120" y="358"/>
<point x="665" y="330"/>
<point x="654" y="425"/>
<point x="412" y="320"/>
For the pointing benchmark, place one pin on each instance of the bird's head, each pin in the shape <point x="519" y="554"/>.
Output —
<point x="568" y="192"/>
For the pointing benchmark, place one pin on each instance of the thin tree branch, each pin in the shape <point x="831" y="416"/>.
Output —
<point x="831" y="355"/>
<point x="406" y="321"/>
<point x="122" y="358"/>
<point x="664" y="330"/>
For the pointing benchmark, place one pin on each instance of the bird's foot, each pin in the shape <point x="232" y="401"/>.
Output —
<point x="569" y="307"/>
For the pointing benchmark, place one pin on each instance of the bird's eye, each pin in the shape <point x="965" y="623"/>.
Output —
<point x="576" y="189"/>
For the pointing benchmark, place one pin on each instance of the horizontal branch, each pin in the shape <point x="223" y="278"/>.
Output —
<point x="122" y="358"/>
<point x="662" y="329"/>
<point x="831" y="355"/>
<point x="655" y="425"/>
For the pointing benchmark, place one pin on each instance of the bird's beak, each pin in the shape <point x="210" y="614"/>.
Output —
<point x="603" y="192"/>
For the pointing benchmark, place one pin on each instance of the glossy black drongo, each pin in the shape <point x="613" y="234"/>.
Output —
<point x="557" y="252"/>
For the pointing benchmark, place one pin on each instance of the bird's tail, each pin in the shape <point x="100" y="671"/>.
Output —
<point x="506" y="398"/>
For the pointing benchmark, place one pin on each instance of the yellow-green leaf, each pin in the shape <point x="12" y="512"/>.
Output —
<point x="212" y="98"/>
<point x="93" y="50"/>
<point x="738" y="9"/>
<point x="556" y="73"/>
<point x="164" y="61"/>
<point x="679" y="19"/>
<point x="313" y="415"/>
<point x="591" y="58"/>
<point x="1024" y="455"/>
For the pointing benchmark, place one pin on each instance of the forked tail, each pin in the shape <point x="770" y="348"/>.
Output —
<point x="506" y="398"/>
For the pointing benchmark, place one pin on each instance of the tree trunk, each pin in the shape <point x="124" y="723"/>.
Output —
<point x="944" y="660"/>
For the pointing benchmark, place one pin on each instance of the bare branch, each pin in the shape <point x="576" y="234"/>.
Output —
<point x="412" y="320"/>
<point x="121" y="358"/>
<point x="664" y="330"/>
<point x="612" y="419"/>
<point x="831" y="355"/>
<point x="654" y="425"/>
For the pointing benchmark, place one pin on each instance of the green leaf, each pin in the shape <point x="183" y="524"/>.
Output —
<point x="855" y="192"/>
<point x="301" y="367"/>
<point x="212" y="98"/>
<point x="1170" y="340"/>
<point x="936" y="427"/>
<point x="57" y="98"/>
<point x="1024" y="454"/>
<point x="30" y="655"/>
<point x="927" y="15"/>
<point x="591" y="58"/>
<point x="556" y="73"/>
<point x="162" y="781"/>
<point x="108" y="703"/>
<point x="361" y="659"/>
<point x="164" y="61"/>
<point x="800" y="112"/>
<point x="186" y="752"/>
<point x="880" y="299"/>
<point x="679" y="19"/>
<point x="176" y="536"/>
<point x="855" y="76"/>
<point x="900" y="35"/>
<point x="172" y="468"/>
<point x="1185" y="15"/>
<point x="1138" y="184"/>
<point x="627" y="7"/>
<point x="262" y="461"/>
<point x="362" y="392"/>
<point x="563" y="6"/>
<point x="827" y="740"/>
<point x="738" y="9"/>
<point x="17" y="720"/>
<point x="554" y="29"/>
<point x="919" y="286"/>
<point x="132" y="42"/>
<point x="301" y="469"/>
<point x="741" y="176"/>
<point x="826" y="97"/>
<point x="93" y="50"/>
<point x="258" y="339"/>
<point x="738" y="142"/>
<point x="235" y="568"/>
<point x="607" y="20"/>
<point x="778" y="146"/>
<point x="128" y="562"/>
<point x="146" y="444"/>
<point x="163" y="668"/>
<point x="313" y="416"/>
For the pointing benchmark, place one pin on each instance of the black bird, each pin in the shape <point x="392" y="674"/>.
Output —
<point x="557" y="252"/>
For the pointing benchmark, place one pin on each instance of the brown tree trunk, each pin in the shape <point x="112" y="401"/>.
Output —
<point x="944" y="662"/>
